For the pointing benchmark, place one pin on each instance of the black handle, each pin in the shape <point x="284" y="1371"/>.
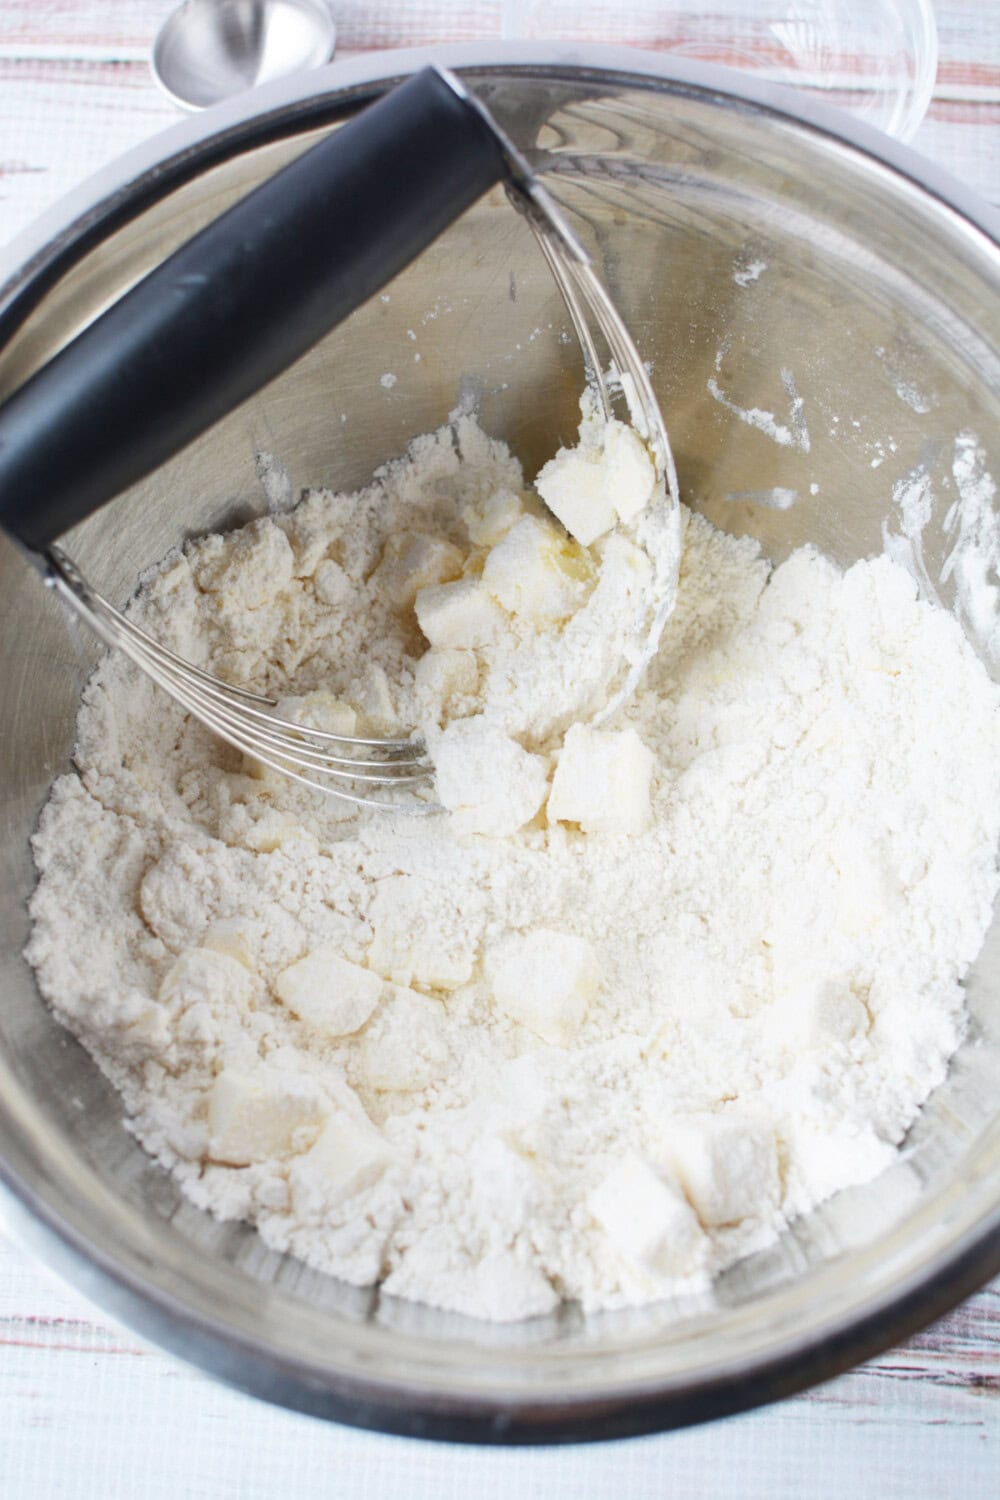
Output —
<point x="239" y="303"/>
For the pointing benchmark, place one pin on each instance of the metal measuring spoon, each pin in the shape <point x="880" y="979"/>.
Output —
<point x="207" y="50"/>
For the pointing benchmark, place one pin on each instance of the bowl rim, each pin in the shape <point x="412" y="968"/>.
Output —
<point x="34" y="262"/>
<point x="147" y="172"/>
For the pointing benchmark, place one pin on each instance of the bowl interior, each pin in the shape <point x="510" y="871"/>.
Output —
<point x="764" y="267"/>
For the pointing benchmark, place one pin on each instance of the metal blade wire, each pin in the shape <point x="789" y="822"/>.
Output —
<point x="319" y="759"/>
<point x="277" y="753"/>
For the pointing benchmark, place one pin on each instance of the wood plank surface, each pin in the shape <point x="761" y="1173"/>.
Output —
<point x="75" y="88"/>
<point x="85" y="1409"/>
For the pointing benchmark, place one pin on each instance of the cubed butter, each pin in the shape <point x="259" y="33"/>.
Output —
<point x="624" y="564"/>
<point x="410" y="561"/>
<point x="536" y="573"/>
<point x="405" y="1049"/>
<point x="630" y="470"/>
<point x="349" y="1155"/>
<point x="254" y="1117"/>
<point x="727" y="1165"/>
<point x="331" y="995"/>
<point x="608" y="477"/>
<point x="486" y="780"/>
<point x="319" y="710"/>
<point x="332" y="585"/>
<point x="574" y="486"/>
<point x="257" y="771"/>
<point x="462" y="614"/>
<point x="446" y="675"/>
<point x="489" y="522"/>
<point x="648" y="1220"/>
<point x="271" y="830"/>
<point x="377" y="713"/>
<point x="812" y="1011"/>
<point x="545" y="980"/>
<point x="234" y="937"/>
<point x="145" y="1026"/>
<point x="602" y="781"/>
<point x="220" y="980"/>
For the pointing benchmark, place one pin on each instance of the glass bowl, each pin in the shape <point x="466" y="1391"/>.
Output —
<point x="877" y="58"/>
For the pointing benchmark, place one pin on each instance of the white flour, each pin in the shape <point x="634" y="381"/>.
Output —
<point x="750" y="999"/>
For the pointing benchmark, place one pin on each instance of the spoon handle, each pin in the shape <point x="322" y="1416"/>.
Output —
<point x="238" y="303"/>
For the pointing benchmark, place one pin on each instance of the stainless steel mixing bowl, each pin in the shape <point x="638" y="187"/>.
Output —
<point x="881" y="301"/>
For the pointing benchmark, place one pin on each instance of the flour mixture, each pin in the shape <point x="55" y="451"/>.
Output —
<point x="645" y="993"/>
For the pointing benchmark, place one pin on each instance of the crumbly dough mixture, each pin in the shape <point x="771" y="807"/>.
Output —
<point x="645" y="994"/>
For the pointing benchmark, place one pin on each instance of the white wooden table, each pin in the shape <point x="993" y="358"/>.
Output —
<point x="89" y="1413"/>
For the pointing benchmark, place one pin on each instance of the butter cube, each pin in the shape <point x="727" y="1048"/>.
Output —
<point x="330" y="994"/>
<point x="574" y="486"/>
<point x="485" y="779"/>
<point x="624" y="565"/>
<point x="319" y="710"/>
<point x="257" y="771"/>
<point x="490" y="521"/>
<point x="727" y="1166"/>
<point x="535" y="573"/>
<point x="233" y="937"/>
<point x="461" y="614"/>
<point x="630" y="470"/>
<point x="405" y="1049"/>
<point x="254" y="1117"/>
<point x="602" y="781"/>
<point x="502" y="1285"/>
<point x="216" y="979"/>
<point x="271" y="830"/>
<point x="410" y="561"/>
<point x="331" y="584"/>
<point x="377" y="714"/>
<point x="442" y="676"/>
<point x="818" y="1003"/>
<point x="349" y="1155"/>
<point x="609" y="477"/>
<point x="146" y="1029"/>
<point x="545" y="981"/>
<point x="648" y="1220"/>
<point x="812" y="1011"/>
